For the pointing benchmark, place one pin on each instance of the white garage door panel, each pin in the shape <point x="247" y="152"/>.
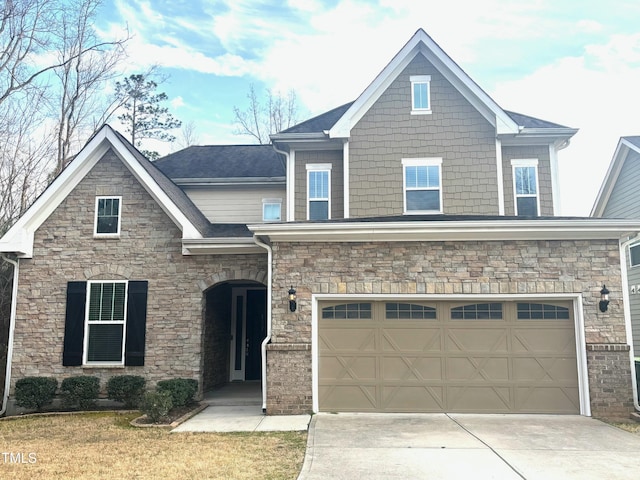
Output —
<point x="447" y="357"/>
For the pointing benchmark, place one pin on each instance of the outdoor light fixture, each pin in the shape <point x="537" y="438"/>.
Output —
<point x="604" y="299"/>
<point x="292" y="299"/>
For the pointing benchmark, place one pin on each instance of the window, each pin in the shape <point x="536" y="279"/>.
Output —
<point x="542" y="311"/>
<point x="420" y="94"/>
<point x="478" y="311"/>
<point x="347" y="310"/>
<point x="271" y="209"/>
<point x="318" y="192"/>
<point x="634" y="255"/>
<point x="107" y="220"/>
<point x="525" y="186"/>
<point x="422" y="190"/>
<point x="105" y="323"/>
<point x="409" y="311"/>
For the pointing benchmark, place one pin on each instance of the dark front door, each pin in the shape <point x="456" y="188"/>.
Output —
<point x="256" y="331"/>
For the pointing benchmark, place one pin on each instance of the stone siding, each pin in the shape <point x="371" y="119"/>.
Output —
<point x="496" y="267"/>
<point x="149" y="248"/>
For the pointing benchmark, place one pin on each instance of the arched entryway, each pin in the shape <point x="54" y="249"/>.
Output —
<point x="235" y="325"/>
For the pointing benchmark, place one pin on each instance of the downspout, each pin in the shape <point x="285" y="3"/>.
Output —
<point x="267" y="339"/>
<point x="289" y="180"/>
<point x="12" y="327"/>
<point x="627" y="314"/>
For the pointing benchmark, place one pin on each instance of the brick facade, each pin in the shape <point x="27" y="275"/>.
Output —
<point x="149" y="248"/>
<point x="496" y="267"/>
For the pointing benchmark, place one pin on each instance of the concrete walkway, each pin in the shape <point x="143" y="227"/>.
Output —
<point x="441" y="446"/>
<point x="241" y="418"/>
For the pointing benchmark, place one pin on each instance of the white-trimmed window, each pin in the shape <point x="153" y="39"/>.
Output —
<point x="271" y="209"/>
<point x="525" y="187"/>
<point x="634" y="255"/>
<point x="420" y="94"/>
<point x="318" y="191"/>
<point x="105" y="325"/>
<point x="422" y="185"/>
<point x="107" y="216"/>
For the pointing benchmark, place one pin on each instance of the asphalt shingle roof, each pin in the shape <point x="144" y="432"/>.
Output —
<point x="321" y="122"/>
<point x="531" y="122"/>
<point x="182" y="201"/>
<point x="223" y="161"/>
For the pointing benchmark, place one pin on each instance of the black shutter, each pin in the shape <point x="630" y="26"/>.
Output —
<point x="136" y="323"/>
<point x="74" y="324"/>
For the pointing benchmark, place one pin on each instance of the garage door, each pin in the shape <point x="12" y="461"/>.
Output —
<point x="506" y="357"/>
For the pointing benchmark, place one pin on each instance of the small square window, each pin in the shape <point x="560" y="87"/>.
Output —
<point x="271" y="210"/>
<point x="107" y="220"/>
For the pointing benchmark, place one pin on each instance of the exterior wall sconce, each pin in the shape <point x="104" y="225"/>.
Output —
<point x="292" y="299"/>
<point x="604" y="299"/>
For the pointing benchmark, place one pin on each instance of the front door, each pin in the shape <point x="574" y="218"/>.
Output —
<point x="248" y="330"/>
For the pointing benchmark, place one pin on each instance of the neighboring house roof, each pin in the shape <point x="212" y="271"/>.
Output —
<point x="624" y="147"/>
<point x="211" y="162"/>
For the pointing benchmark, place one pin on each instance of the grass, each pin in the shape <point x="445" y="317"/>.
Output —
<point x="104" y="445"/>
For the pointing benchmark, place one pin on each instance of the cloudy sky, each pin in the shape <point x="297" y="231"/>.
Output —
<point x="573" y="62"/>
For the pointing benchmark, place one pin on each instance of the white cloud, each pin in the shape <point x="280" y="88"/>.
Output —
<point x="177" y="102"/>
<point x="596" y="93"/>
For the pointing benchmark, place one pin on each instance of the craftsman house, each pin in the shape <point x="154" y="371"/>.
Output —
<point x="400" y="253"/>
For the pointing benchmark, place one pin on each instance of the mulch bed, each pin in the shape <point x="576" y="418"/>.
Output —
<point x="176" y="417"/>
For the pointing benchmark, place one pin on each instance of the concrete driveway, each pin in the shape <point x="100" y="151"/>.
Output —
<point x="452" y="446"/>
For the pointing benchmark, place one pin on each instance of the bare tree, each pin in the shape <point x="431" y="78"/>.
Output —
<point x="260" y="120"/>
<point x="82" y="77"/>
<point x="188" y="135"/>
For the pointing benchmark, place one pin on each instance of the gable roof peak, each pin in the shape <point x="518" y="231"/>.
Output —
<point x="422" y="43"/>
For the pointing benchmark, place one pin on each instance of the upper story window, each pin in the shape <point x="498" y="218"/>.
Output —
<point x="318" y="191"/>
<point x="525" y="187"/>
<point x="107" y="219"/>
<point x="422" y="185"/>
<point x="271" y="209"/>
<point x="420" y="94"/>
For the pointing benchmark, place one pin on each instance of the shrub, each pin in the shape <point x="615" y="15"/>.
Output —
<point x="127" y="389"/>
<point x="156" y="405"/>
<point x="35" y="393"/>
<point x="80" y="392"/>
<point x="182" y="390"/>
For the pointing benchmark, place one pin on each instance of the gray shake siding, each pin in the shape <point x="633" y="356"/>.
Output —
<point x="624" y="202"/>
<point x="334" y="157"/>
<point x="149" y="248"/>
<point x="455" y="132"/>
<point x="541" y="153"/>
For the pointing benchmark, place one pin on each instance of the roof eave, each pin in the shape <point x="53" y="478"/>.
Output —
<point x="487" y="230"/>
<point x="221" y="246"/>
